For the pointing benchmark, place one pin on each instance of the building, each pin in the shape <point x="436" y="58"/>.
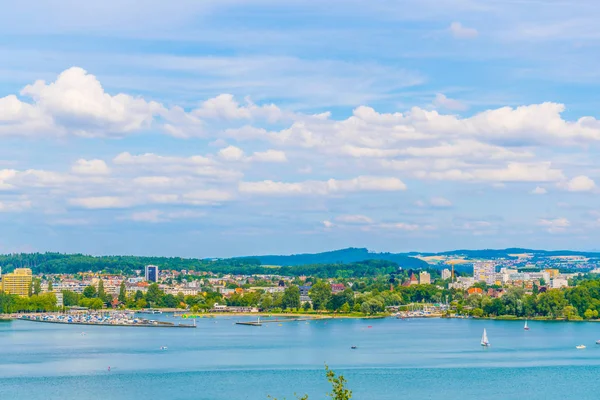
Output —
<point x="17" y="282"/>
<point x="151" y="274"/>
<point x="558" y="283"/>
<point x="424" y="278"/>
<point x="413" y="280"/>
<point x="304" y="290"/>
<point x="446" y="274"/>
<point x="337" y="288"/>
<point x="484" y="272"/>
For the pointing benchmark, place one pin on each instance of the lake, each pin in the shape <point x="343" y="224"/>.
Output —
<point x="394" y="359"/>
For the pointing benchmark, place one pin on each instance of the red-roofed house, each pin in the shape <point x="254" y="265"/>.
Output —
<point x="337" y="287"/>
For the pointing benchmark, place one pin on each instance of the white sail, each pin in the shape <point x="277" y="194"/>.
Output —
<point x="484" y="339"/>
<point x="525" y="324"/>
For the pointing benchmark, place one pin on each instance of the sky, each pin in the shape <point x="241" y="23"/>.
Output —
<point x="222" y="128"/>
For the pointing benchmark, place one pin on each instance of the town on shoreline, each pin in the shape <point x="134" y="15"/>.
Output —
<point x="505" y="288"/>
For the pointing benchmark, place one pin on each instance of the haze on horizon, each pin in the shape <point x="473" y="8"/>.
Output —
<point x="228" y="128"/>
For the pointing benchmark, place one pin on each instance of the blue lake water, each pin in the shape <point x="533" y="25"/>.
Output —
<point x="395" y="359"/>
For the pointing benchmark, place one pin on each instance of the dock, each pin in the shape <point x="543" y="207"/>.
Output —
<point x="260" y="322"/>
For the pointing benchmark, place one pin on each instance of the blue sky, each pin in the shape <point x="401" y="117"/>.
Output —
<point x="222" y="128"/>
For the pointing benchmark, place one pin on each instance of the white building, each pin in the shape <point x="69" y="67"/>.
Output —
<point x="484" y="272"/>
<point x="558" y="283"/>
<point x="446" y="274"/>
<point x="462" y="282"/>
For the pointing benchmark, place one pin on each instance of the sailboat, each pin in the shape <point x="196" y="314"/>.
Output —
<point x="526" y="327"/>
<point x="484" y="339"/>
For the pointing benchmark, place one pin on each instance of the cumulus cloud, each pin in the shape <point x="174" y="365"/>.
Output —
<point x="231" y="153"/>
<point x="274" y="156"/>
<point x="331" y="186"/>
<point x="555" y="225"/>
<point x="440" y="202"/>
<point x="539" y="190"/>
<point x="90" y="167"/>
<point x="101" y="202"/>
<point x="354" y="219"/>
<point x="156" y="216"/>
<point x="462" y="32"/>
<point x="442" y="101"/>
<point x="15" y="205"/>
<point x="580" y="183"/>
<point x="76" y="104"/>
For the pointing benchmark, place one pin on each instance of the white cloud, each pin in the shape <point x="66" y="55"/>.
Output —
<point x="274" y="156"/>
<point x="156" y="216"/>
<point x="90" y="167"/>
<point x="14" y="205"/>
<point x="356" y="219"/>
<point x="101" y="202"/>
<point x="327" y="224"/>
<point x="440" y="202"/>
<point x="555" y="225"/>
<point x="74" y="104"/>
<point x="442" y="101"/>
<point x="231" y="153"/>
<point x="226" y="107"/>
<point x="539" y="190"/>
<point x="462" y="32"/>
<point x="580" y="183"/>
<point x="398" y="226"/>
<point x="331" y="186"/>
<point x="206" y="197"/>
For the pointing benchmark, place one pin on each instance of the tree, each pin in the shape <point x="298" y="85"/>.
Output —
<point x="50" y="288"/>
<point x="37" y="286"/>
<point x="154" y="295"/>
<point x="101" y="292"/>
<point x="345" y="308"/>
<point x="122" y="292"/>
<point x="320" y="293"/>
<point x="306" y="306"/>
<point x="338" y="390"/>
<point x="138" y="295"/>
<point x="291" y="298"/>
<point x="89" y="292"/>
<point x="70" y="298"/>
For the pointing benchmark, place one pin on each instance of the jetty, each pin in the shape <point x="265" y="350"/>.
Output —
<point x="259" y="322"/>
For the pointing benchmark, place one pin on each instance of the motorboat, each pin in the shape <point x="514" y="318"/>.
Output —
<point x="581" y="346"/>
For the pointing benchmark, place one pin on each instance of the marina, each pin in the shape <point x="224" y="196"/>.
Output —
<point x="102" y="319"/>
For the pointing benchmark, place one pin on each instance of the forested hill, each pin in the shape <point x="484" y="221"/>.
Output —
<point x="349" y="262"/>
<point x="344" y="256"/>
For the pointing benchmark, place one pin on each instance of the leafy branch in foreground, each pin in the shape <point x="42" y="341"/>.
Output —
<point x="338" y="391"/>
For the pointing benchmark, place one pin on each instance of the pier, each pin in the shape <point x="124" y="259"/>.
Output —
<point x="260" y="322"/>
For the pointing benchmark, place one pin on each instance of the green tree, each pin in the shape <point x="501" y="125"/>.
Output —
<point x="70" y="298"/>
<point x="320" y="294"/>
<point x="122" y="292"/>
<point x="291" y="298"/>
<point x="339" y="391"/>
<point x="345" y="308"/>
<point x="154" y="295"/>
<point x="37" y="286"/>
<point x="89" y="292"/>
<point x="477" y="312"/>
<point x="50" y="288"/>
<point x="101" y="292"/>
